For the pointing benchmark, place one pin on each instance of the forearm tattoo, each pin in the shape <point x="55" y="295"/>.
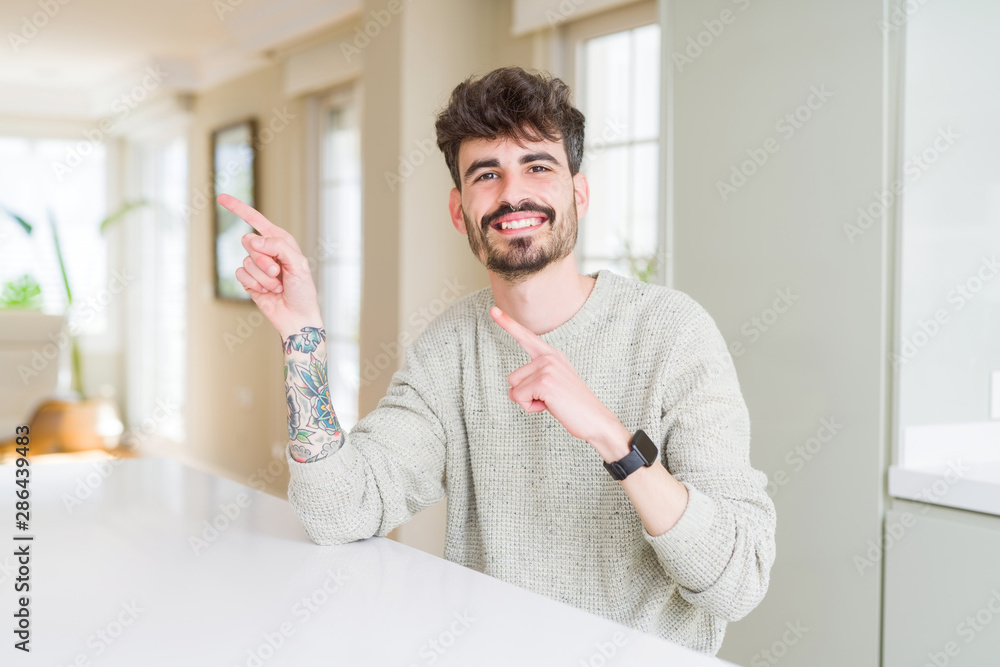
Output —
<point x="313" y="430"/>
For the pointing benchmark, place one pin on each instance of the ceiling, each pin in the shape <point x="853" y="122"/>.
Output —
<point x="76" y="59"/>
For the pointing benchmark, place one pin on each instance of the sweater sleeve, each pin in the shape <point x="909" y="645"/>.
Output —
<point x="391" y="465"/>
<point x="721" y="550"/>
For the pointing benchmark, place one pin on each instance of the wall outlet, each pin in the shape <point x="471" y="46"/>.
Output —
<point x="995" y="396"/>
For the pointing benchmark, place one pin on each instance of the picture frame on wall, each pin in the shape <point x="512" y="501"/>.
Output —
<point x="234" y="172"/>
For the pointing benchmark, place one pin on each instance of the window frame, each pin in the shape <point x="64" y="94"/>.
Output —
<point x="568" y="50"/>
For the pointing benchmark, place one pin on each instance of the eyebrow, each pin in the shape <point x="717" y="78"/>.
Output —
<point x="481" y="164"/>
<point x="538" y="157"/>
<point x="492" y="163"/>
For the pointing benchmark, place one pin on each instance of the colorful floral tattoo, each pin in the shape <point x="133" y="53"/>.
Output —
<point x="313" y="430"/>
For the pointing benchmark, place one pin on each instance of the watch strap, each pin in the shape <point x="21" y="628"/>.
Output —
<point x="643" y="453"/>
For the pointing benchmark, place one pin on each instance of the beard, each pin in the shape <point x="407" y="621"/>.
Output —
<point x="516" y="258"/>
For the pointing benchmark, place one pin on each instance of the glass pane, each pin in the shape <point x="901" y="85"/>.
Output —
<point x="619" y="266"/>
<point x="346" y="289"/>
<point x="621" y="102"/>
<point x="950" y="183"/>
<point x="607" y="62"/>
<point x="646" y="82"/>
<point x="644" y="192"/>
<point x="605" y="227"/>
<point x="342" y="159"/>
<point x="348" y="210"/>
<point x="344" y="376"/>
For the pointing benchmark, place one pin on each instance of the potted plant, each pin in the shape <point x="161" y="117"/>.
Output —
<point x="76" y="422"/>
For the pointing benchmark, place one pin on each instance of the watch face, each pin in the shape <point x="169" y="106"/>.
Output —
<point x="646" y="447"/>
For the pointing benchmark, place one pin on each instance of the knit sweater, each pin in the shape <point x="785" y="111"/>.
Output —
<point x="532" y="505"/>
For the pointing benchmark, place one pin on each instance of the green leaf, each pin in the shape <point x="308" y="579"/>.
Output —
<point x="18" y="219"/>
<point x="23" y="292"/>
<point x="123" y="211"/>
<point x="59" y="256"/>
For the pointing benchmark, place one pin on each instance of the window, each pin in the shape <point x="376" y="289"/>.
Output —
<point x="615" y="62"/>
<point x="338" y="245"/>
<point x="66" y="177"/>
<point x="948" y="183"/>
<point x="157" y="308"/>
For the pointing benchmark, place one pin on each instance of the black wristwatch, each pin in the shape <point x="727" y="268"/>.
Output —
<point x="643" y="454"/>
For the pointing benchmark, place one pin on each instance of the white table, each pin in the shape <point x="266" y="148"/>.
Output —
<point x="116" y="581"/>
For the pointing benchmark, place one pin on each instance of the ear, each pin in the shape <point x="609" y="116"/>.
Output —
<point x="455" y="209"/>
<point x="581" y="193"/>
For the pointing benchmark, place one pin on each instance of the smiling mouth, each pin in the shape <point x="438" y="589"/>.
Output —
<point x="509" y="224"/>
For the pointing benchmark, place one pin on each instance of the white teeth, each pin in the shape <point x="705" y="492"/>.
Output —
<point x="518" y="224"/>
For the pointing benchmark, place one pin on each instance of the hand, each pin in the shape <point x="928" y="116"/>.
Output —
<point x="275" y="273"/>
<point x="548" y="382"/>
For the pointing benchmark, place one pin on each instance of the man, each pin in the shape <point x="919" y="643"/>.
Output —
<point x="588" y="430"/>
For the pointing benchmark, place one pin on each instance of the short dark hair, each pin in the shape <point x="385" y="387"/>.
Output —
<point x="512" y="103"/>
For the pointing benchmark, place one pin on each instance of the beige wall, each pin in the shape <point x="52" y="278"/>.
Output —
<point x="414" y="260"/>
<point x="235" y="396"/>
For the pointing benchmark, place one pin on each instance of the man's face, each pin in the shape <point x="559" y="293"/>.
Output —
<point x="503" y="182"/>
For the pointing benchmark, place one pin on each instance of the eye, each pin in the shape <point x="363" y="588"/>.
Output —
<point x="538" y="166"/>
<point x="483" y="176"/>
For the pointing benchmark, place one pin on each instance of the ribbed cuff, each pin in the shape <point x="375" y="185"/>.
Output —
<point x="690" y="551"/>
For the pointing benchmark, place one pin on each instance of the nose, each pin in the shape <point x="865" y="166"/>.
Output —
<point x="514" y="190"/>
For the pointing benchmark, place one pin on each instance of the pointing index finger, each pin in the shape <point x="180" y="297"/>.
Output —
<point x="526" y="338"/>
<point x="250" y="215"/>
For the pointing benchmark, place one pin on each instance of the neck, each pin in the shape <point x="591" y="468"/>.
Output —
<point x="547" y="299"/>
